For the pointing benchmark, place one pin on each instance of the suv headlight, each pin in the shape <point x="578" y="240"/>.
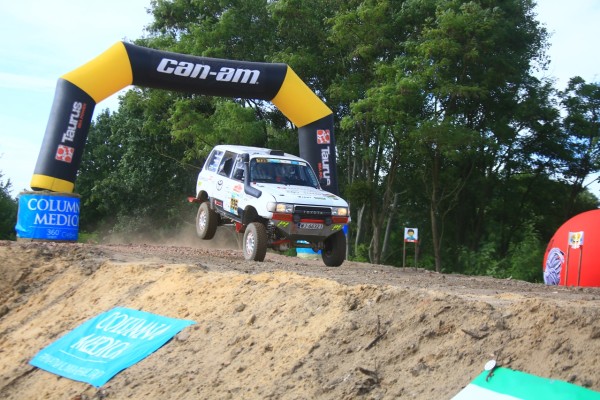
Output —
<point x="280" y="208"/>
<point x="339" y="211"/>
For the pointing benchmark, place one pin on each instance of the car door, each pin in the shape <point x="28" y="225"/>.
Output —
<point x="237" y="200"/>
<point x="228" y="188"/>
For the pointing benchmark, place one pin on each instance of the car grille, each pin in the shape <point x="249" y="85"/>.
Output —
<point x="312" y="212"/>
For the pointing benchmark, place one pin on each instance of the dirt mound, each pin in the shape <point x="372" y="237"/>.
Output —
<point x="287" y="328"/>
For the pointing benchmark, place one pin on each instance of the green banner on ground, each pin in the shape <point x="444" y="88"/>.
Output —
<point x="506" y="384"/>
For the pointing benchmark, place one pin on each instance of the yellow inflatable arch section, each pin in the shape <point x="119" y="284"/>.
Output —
<point x="124" y="64"/>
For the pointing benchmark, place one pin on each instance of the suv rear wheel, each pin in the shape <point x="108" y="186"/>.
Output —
<point x="334" y="252"/>
<point x="254" y="245"/>
<point x="206" y="222"/>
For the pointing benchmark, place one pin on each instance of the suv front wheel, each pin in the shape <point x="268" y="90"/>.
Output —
<point x="206" y="222"/>
<point x="334" y="252"/>
<point x="255" y="242"/>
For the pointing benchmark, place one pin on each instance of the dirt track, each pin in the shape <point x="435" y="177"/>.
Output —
<point x="287" y="328"/>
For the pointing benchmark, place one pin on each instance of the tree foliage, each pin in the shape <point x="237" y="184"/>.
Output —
<point x="441" y="124"/>
<point x="132" y="179"/>
<point x="8" y="211"/>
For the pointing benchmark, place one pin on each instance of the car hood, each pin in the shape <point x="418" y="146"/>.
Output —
<point x="300" y="194"/>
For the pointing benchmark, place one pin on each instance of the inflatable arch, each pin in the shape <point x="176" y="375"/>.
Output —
<point x="125" y="64"/>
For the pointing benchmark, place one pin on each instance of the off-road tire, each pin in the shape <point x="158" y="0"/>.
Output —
<point x="254" y="245"/>
<point x="334" y="253"/>
<point x="206" y="221"/>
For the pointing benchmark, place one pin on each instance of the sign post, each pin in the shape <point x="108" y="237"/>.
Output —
<point x="411" y="235"/>
<point x="575" y="243"/>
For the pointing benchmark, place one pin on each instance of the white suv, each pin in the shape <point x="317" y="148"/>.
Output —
<point x="274" y="199"/>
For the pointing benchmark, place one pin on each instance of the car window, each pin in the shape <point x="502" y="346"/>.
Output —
<point x="238" y="169"/>
<point x="214" y="160"/>
<point x="288" y="172"/>
<point x="226" y="164"/>
<point x="302" y="174"/>
<point x="261" y="171"/>
<point x="225" y="167"/>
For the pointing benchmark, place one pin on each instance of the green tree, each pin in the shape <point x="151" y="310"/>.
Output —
<point x="581" y="101"/>
<point x="8" y="211"/>
<point x="431" y="87"/>
<point x="375" y="113"/>
<point x="437" y="108"/>
<point x="132" y="179"/>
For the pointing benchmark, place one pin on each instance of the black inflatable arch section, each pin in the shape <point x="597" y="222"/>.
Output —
<point x="124" y="64"/>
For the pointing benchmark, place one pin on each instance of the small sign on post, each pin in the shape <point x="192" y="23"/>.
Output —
<point x="575" y="239"/>
<point x="411" y="235"/>
<point x="575" y="243"/>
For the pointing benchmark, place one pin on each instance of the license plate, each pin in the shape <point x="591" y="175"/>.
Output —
<point x="309" y="225"/>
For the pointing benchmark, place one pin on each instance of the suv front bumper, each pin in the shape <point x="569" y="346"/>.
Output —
<point x="311" y="230"/>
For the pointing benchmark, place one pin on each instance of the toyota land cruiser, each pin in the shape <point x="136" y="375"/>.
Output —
<point x="274" y="199"/>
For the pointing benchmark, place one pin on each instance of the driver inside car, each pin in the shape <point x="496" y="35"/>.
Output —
<point x="288" y="174"/>
<point x="260" y="173"/>
<point x="281" y="173"/>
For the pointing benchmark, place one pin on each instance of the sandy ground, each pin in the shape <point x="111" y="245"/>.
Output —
<point x="287" y="328"/>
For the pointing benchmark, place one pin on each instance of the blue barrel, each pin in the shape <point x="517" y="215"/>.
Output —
<point x="307" y="252"/>
<point x="48" y="216"/>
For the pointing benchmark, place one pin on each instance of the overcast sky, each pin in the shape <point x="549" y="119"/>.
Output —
<point x="42" y="40"/>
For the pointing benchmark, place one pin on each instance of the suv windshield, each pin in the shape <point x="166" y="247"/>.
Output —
<point x="287" y="172"/>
